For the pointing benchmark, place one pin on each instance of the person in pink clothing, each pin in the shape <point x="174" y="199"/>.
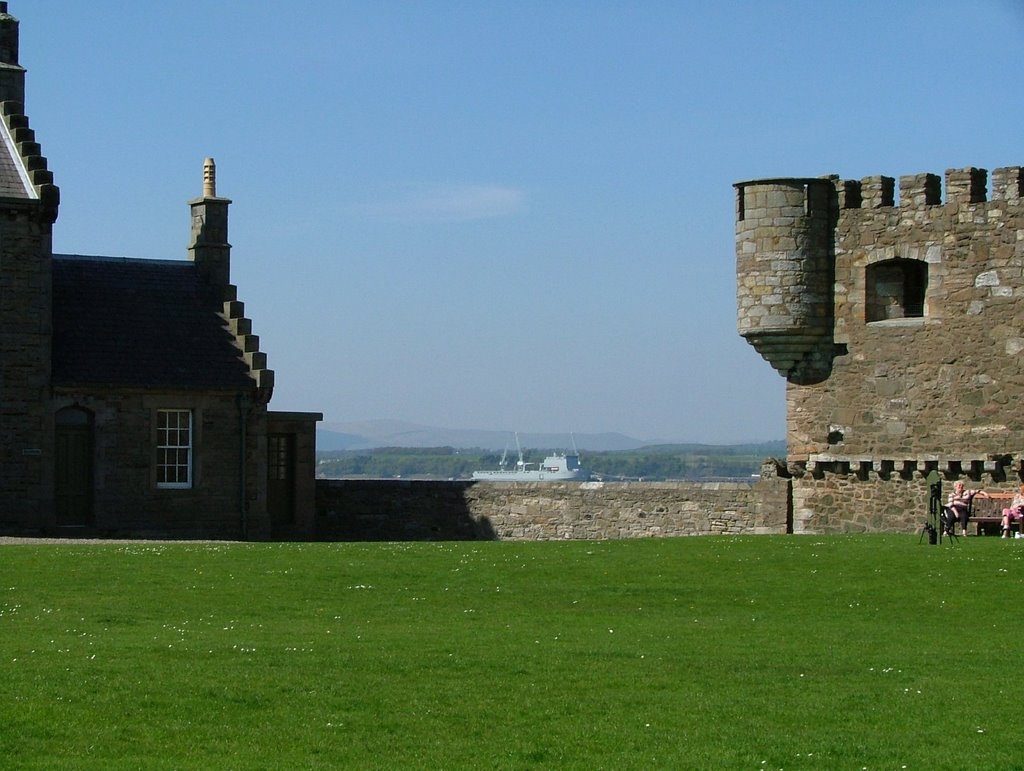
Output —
<point x="1014" y="512"/>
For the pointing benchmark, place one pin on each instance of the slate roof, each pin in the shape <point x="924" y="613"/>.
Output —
<point x="12" y="184"/>
<point x="140" y="323"/>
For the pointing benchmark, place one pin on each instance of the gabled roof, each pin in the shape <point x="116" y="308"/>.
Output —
<point x="140" y="323"/>
<point x="13" y="174"/>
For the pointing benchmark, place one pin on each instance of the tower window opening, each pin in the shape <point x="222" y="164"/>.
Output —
<point x="895" y="289"/>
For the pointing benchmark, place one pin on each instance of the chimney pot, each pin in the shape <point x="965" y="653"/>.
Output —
<point x="209" y="178"/>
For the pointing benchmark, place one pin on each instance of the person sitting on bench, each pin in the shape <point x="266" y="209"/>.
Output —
<point x="959" y="504"/>
<point x="1015" y="512"/>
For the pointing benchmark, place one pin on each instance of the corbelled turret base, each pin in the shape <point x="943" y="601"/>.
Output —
<point x="785" y="349"/>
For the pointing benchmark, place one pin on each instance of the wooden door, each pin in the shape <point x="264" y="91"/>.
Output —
<point x="281" y="481"/>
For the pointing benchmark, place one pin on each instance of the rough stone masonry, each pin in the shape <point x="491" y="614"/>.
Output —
<point x="897" y="324"/>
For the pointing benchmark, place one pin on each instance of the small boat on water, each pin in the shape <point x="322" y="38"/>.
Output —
<point x="560" y="467"/>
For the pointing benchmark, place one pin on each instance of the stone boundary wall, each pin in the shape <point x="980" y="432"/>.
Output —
<point x="384" y="510"/>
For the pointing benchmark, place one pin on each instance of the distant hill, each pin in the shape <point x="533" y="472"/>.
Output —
<point x="372" y="434"/>
<point x="695" y="462"/>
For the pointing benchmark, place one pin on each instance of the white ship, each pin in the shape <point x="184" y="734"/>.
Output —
<point x="560" y="467"/>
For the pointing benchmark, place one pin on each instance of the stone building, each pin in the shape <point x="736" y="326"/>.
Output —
<point x="133" y="394"/>
<point x="899" y="327"/>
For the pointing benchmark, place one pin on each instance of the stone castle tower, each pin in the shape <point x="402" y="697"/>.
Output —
<point x="899" y="327"/>
<point x="28" y="209"/>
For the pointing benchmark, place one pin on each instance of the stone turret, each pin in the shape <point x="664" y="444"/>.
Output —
<point x="784" y="267"/>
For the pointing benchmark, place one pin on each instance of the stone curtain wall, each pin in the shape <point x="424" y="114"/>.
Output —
<point x="414" y="510"/>
<point x="845" y="503"/>
<point x="841" y="500"/>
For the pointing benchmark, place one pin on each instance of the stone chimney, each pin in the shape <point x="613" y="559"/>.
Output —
<point x="12" y="74"/>
<point x="210" y="250"/>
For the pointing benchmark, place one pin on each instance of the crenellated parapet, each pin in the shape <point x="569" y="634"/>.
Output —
<point x="968" y="185"/>
<point x="834" y="493"/>
<point x="21" y="141"/>
<point x="987" y="469"/>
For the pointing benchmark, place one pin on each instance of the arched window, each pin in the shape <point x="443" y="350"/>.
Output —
<point x="895" y="289"/>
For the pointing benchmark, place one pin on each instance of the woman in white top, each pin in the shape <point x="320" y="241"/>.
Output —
<point x="959" y="504"/>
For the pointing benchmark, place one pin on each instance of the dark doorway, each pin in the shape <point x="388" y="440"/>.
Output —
<point x="74" y="468"/>
<point x="281" y="482"/>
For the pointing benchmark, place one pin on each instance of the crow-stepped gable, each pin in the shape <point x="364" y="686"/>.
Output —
<point x="133" y="392"/>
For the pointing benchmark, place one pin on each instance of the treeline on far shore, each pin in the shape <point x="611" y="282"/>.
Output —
<point x="686" y="462"/>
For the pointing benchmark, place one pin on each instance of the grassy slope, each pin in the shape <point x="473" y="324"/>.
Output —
<point x="757" y="652"/>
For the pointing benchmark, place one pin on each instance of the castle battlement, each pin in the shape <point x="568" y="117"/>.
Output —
<point x="897" y="320"/>
<point x="968" y="185"/>
<point x="963" y="186"/>
<point x="995" y="469"/>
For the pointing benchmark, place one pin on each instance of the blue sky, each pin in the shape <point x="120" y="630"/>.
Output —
<point x="501" y="215"/>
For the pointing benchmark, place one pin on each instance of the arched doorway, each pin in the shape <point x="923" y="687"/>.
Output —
<point x="73" y="474"/>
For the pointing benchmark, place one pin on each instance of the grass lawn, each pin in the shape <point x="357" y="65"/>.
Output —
<point x="843" y="652"/>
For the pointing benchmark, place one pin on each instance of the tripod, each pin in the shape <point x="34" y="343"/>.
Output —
<point x="937" y="524"/>
<point x="930" y="531"/>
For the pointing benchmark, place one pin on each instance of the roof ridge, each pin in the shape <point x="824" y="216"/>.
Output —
<point x="123" y="259"/>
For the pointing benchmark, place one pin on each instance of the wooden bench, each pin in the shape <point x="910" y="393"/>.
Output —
<point x="986" y="522"/>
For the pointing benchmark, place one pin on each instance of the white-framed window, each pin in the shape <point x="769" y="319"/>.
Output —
<point x="174" y="449"/>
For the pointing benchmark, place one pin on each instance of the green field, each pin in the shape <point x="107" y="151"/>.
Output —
<point x="844" y="652"/>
